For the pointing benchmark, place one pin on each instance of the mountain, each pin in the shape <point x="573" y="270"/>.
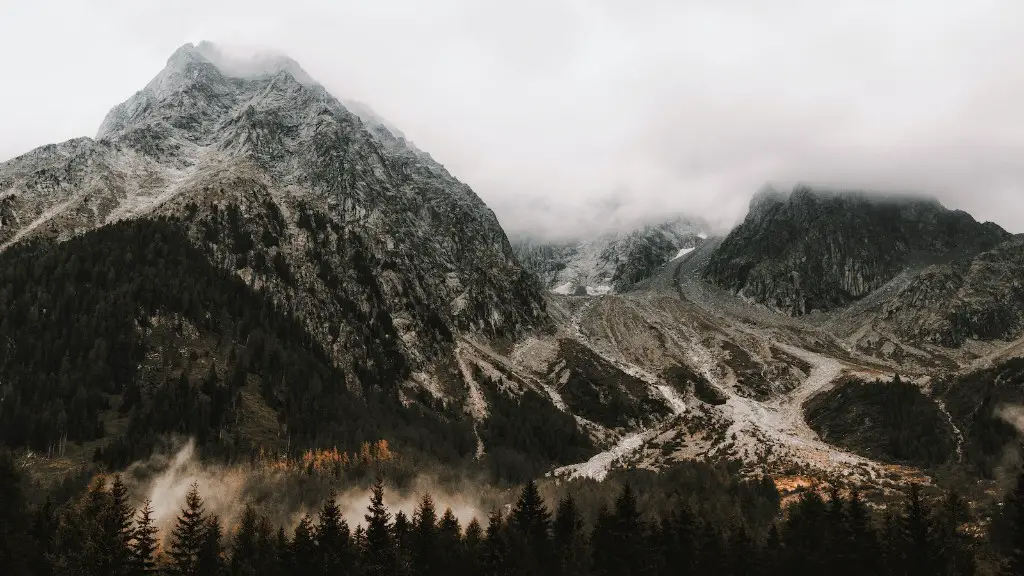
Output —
<point x="609" y="262"/>
<point x="268" y="156"/>
<point x="818" y="250"/>
<point x="242" y="258"/>
<point x="322" y="219"/>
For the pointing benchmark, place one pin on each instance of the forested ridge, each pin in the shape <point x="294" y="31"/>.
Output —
<point x="128" y="334"/>
<point x="77" y="333"/>
<point x="884" y="420"/>
<point x="99" y="532"/>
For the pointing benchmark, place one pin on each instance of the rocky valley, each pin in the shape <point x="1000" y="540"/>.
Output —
<point x="252" y="262"/>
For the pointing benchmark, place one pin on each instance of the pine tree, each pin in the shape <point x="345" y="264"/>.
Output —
<point x="805" y="535"/>
<point x="629" y="531"/>
<point x="117" y="524"/>
<point x="425" y="550"/>
<point x="210" y="561"/>
<point x="773" y="556"/>
<point x="531" y="530"/>
<point x="1014" y="510"/>
<point x="380" y="551"/>
<point x="188" y="537"/>
<point x="864" y="551"/>
<point x="401" y="533"/>
<point x="743" y="552"/>
<point x="244" y="545"/>
<point x="449" y="534"/>
<point x="955" y="553"/>
<point x="281" y="553"/>
<point x="14" y="556"/>
<point x="144" y="545"/>
<point x="603" y="544"/>
<point x="333" y="539"/>
<point x="475" y="548"/>
<point x="497" y="550"/>
<point x="920" y="553"/>
<point x="569" y="539"/>
<point x="303" y="553"/>
<point x="838" y="538"/>
<point x="679" y="542"/>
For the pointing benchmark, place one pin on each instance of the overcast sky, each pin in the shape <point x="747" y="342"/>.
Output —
<point x="560" y="112"/>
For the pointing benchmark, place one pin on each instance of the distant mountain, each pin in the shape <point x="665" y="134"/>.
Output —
<point x="823" y="249"/>
<point x="610" y="262"/>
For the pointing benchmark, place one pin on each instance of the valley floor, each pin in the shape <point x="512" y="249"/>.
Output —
<point x="763" y="366"/>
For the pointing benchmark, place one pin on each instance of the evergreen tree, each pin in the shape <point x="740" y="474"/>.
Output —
<point x="918" y="537"/>
<point x="805" y="536"/>
<point x="449" y="536"/>
<point x="333" y="539"/>
<point x="629" y="531"/>
<point x="1014" y="510"/>
<point x="569" y="539"/>
<point x="679" y="542"/>
<point x="117" y="524"/>
<point x="85" y="542"/>
<point x="838" y="538"/>
<point x="531" y="531"/>
<point x="302" y="553"/>
<point x="380" y="550"/>
<point x="144" y="545"/>
<point x="954" y="547"/>
<point x="475" y="548"/>
<point x="894" y="546"/>
<point x="773" y="556"/>
<point x="244" y="551"/>
<point x="15" y="557"/>
<point x="711" y="551"/>
<point x="603" y="544"/>
<point x="402" y="534"/>
<point x="743" y="552"/>
<point x="282" y="548"/>
<point x="864" y="550"/>
<point x="498" y="550"/>
<point x="210" y="561"/>
<point x="189" y="535"/>
<point x="425" y="546"/>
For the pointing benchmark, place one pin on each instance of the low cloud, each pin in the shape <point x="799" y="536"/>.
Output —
<point x="549" y="108"/>
<point x="285" y="495"/>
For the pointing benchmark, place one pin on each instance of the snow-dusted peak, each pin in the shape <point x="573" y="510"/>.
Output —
<point x="613" y="261"/>
<point x="250" y="64"/>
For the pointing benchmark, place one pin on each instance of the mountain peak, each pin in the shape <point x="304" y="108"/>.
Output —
<point x="246" y="63"/>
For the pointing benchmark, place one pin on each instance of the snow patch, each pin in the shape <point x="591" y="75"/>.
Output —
<point x="564" y="289"/>
<point x="682" y="252"/>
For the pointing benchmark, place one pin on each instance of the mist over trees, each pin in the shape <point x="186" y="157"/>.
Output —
<point x="99" y="533"/>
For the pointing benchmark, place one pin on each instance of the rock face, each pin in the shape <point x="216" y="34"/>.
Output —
<point x="980" y="298"/>
<point x="609" y="262"/>
<point x="820" y="250"/>
<point x="379" y="251"/>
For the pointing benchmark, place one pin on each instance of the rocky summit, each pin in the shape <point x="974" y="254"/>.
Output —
<point x="819" y="250"/>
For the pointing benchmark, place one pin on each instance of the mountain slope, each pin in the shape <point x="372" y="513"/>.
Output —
<point x="249" y="173"/>
<point x="282" y="184"/>
<point x="609" y="262"/>
<point x="821" y="250"/>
